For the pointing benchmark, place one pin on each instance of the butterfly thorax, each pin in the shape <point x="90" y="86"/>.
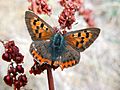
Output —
<point x="57" y="46"/>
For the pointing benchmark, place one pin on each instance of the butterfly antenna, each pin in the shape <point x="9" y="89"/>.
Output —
<point x="76" y="23"/>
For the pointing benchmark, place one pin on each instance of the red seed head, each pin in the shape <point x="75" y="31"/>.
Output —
<point x="17" y="84"/>
<point x="19" y="58"/>
<point x="20" y="69"/>
<point x="12" y="71"/>
<point x="6" y="56"/>
<point x="15" y="49"/>
<point x="8" y="80"/>
<point x="9" y="44"/>
<point x="22" y="79"/>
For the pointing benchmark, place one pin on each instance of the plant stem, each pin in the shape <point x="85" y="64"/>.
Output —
<point x="14" y="87"/>
<point x="50" y="79"/>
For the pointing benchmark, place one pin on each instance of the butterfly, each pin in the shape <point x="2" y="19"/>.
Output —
<point x="54" y="48"/>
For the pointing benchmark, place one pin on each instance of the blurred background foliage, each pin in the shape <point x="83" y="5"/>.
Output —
<point x="99" y="68"/>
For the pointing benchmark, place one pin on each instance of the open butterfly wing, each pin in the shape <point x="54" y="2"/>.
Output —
<point x="39" y="50"/>
<point x="69" y="58"/>
<point x="82" y="39"/>
<point x="38" y="29"/>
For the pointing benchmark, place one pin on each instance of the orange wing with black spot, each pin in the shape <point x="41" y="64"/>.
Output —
<point x="38" y="29"/>
<point x="82" y="39"/>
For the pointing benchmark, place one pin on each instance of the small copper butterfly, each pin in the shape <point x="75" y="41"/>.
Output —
<point x="55" y="48"/>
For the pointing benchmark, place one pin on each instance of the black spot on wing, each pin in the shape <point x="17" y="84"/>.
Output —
<point x="79" y="34"/>
<point x="87" y="35"/>
<point x="37" y="27"/>
<point x="82" y="41"/>
<point x="36" y="30"/>
<point x="40" y="35"/>
<point x="33" y="54"/>
<point x="82" y="38"/>
<point x="38" y="19"/>
<point x="77" y="43"/>
<point x="42" y="25"/>
<point x="73" y="35"/>
<point x="46" y="29"/>
<point x="34" y="23"/>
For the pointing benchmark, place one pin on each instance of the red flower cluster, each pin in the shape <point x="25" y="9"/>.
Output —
<point x="15" y="73"/>
<point x="87" y="13"/>
<point x="12" y="53"/>
<point x="39" y="7"/>
<point x="13" y="78"/>
<point x="67" y="18"/>
<point x="38" y="69"/>
<point x="77" y="3"/>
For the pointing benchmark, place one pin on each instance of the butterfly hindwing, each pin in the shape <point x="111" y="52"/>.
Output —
<point x="39" y="50"/>
<point x="38" y="29"/>
<point x="70" y="57"/>
<point x="82" y="39"/>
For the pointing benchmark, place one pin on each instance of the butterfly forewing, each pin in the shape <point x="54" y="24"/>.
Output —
<point x="38" y="29"/>
<point x="82" y="39"/>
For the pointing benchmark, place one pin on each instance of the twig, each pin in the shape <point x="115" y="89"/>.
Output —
<point x="2" y="41"/>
